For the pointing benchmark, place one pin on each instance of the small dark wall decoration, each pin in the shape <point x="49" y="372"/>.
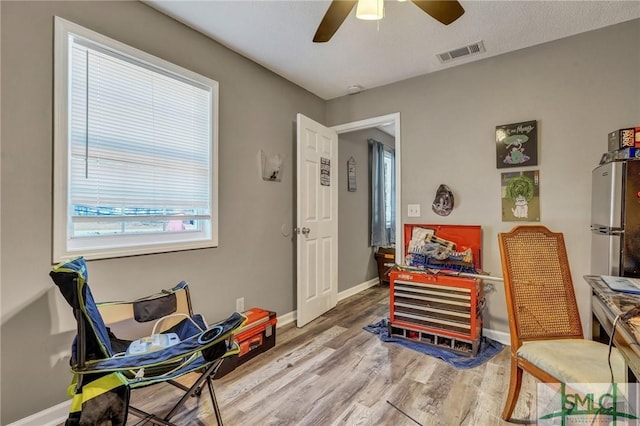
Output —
<point x="517" y="144"/>
<point x="443" y="202"/>
<point x="351" y="174"/>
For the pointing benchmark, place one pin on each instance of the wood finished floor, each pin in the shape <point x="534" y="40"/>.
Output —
<point x="331" y="372"/>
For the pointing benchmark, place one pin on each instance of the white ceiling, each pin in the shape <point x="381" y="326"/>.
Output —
<point x="278" y="35"/>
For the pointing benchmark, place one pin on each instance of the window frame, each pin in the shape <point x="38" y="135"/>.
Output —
<point x="103" y="247"/>
<point x="388" y="181"/>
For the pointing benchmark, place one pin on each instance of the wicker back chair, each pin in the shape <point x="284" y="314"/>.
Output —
<point x="539" y="290"/>
<point x="544" y="322"/>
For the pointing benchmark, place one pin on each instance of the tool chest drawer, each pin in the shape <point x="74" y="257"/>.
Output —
<point x="439" y="310"/>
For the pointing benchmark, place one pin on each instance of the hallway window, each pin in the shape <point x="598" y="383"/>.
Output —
<point x="382" y="194"/>
<point x="388" y="188"/>
<point x="135" y="150"/>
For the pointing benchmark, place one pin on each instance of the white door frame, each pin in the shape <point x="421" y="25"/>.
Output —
<point x="371" y="123"/>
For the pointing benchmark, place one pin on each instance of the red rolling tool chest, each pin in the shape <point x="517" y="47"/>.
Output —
<point x="439" y="308"/>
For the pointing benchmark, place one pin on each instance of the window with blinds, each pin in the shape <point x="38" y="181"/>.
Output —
<point x="135" y="150"/>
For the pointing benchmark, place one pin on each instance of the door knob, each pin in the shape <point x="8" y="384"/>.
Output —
<point x="304" y="231"/>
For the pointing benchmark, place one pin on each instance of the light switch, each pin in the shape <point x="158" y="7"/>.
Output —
<point x="413" y="210"/>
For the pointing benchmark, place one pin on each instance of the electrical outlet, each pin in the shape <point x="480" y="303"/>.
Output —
<point x="240" y="304"/>
<point x="413" y="210"/>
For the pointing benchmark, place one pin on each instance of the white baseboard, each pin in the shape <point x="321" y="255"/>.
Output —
<point x="286" y="319"/>
<point x="498" y="336"/>
<point x="358" y="288"/>
<point x="290" y="317"/>
<point x="51" y="416"/>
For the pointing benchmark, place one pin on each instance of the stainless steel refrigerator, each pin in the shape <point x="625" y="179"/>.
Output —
<point x="615" y="219"/>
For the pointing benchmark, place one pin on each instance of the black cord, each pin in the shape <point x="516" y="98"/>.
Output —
<point x="391" y="404"/>
<point x="613" y="333"/>
<point x="633" y="312"/>
<point x="625" y="317"/>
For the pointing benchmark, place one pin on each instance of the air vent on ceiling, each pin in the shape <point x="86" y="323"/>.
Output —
<point x="472" y="49"/>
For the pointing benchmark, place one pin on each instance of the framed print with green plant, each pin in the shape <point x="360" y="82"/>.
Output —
<point x="517" y="145"/>
<point x="521" y="196"/>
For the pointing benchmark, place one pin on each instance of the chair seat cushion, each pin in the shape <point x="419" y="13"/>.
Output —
<point x="575" y="360"/>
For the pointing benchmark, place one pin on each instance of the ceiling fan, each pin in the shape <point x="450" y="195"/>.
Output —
<point x="445" y="11"/>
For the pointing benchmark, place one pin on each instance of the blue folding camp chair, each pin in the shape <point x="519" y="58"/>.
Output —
<point x="106" y="368"/>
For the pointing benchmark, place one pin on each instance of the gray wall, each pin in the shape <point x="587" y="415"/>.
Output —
<point x="579" y="89"/>
<point x="254" y="260"/>
<point x="357" y="263"/>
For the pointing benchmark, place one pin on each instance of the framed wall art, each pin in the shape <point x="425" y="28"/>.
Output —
<point x="517" y="144"/>
<point x="351" y="174"/>
<point x="521" y="196"/>
<point x="325" y="171"/>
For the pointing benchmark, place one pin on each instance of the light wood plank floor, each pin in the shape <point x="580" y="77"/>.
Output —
<point x="331" y="372"/>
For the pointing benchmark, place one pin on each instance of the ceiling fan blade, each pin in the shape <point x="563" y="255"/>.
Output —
<point x="445" y="11"/>
<point x="336" y="14"/>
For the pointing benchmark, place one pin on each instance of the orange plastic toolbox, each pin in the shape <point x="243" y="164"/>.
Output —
<point x="255" y="337"/>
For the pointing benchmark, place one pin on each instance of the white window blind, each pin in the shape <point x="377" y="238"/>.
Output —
<point x="140" y="147"/>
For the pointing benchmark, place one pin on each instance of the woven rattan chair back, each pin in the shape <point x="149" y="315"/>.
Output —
<point x="541" y="301"/>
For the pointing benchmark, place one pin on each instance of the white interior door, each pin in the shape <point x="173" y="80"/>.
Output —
<point x="317" y="219"/>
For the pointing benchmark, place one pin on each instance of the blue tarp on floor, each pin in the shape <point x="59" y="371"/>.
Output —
<point x="488" y="348"/>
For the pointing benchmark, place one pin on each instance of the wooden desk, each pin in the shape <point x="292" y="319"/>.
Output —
<point x="606" y="305"/>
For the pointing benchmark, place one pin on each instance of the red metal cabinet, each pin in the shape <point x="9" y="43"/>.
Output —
<point x="439" y="309"/>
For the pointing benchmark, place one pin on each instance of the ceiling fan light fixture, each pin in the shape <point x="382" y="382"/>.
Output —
<point x="443" y="11"/>
<point x="370" y="10"/>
